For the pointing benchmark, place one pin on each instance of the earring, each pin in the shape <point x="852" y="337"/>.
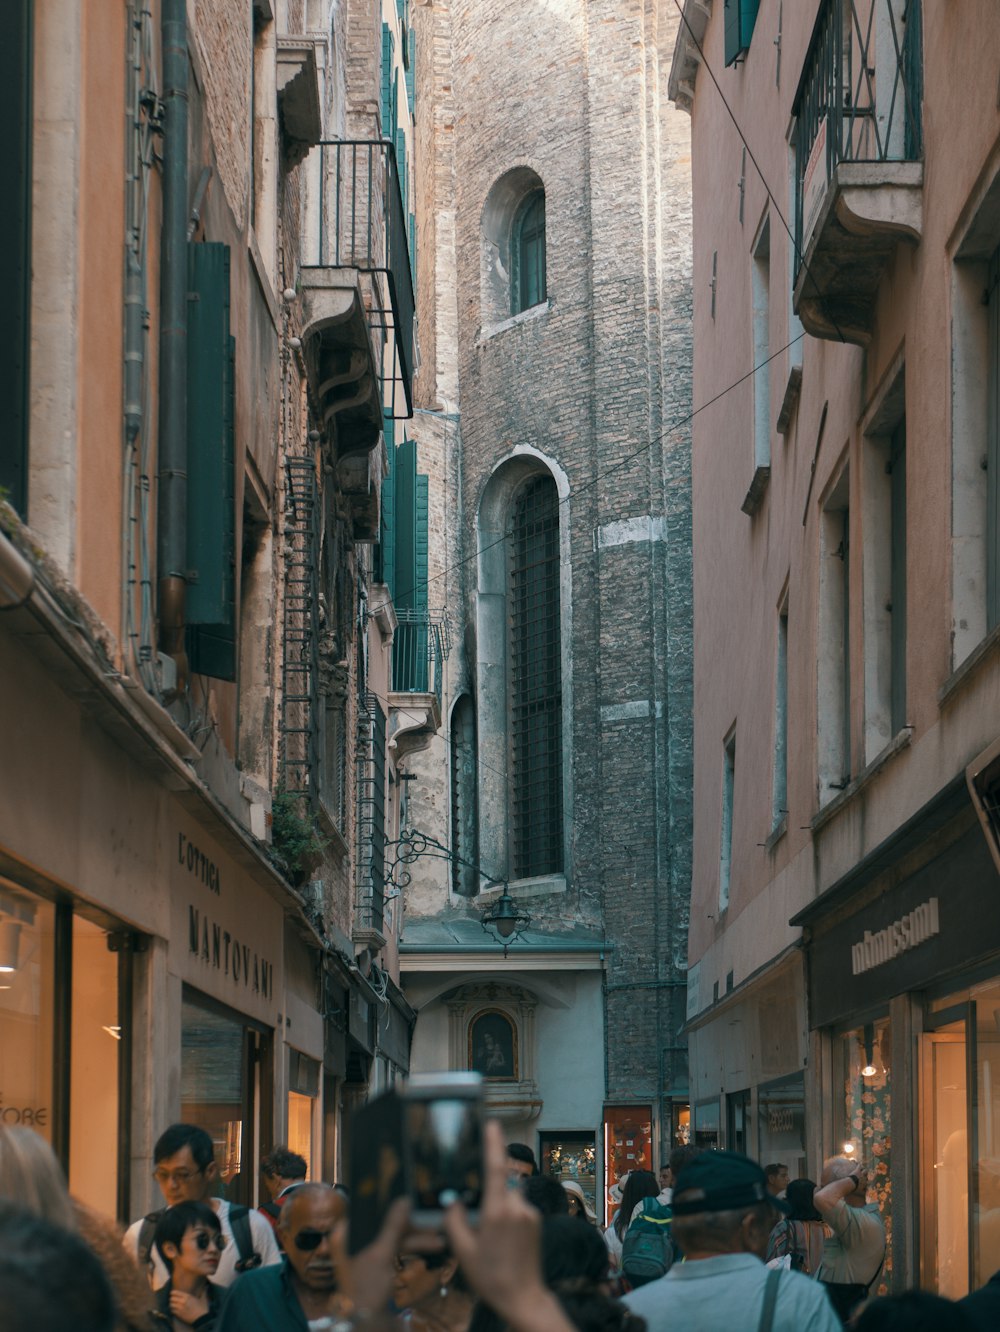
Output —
<point x="444" y="1291"/>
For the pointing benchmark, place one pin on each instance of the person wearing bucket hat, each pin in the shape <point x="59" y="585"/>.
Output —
<point x="577" y="1199"/>
<point x="722" y="1216"/>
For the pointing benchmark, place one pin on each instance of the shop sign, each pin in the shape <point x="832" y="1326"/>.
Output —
<point x="911" y="930"/>
<point x="34" y="1116"/>
<point x="224" y="952"/>
<point x="902" y="939"/>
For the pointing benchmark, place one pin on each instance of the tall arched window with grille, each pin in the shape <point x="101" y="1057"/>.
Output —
<point x="527" y="252"/>
<point x="535" y="681"/>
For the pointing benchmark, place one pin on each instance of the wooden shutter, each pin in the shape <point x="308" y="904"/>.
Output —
<point x="387" y="525"/>
<point x="993" y="449"/>
<point x="211" y="535"/>
<point x="385" y="105"/>
<point x="897" y="480"/>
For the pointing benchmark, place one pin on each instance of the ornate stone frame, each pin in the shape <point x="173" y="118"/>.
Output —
<point x="510" y="1098"/>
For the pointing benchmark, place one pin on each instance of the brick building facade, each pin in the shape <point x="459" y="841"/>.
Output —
<point x="559" y="374"/>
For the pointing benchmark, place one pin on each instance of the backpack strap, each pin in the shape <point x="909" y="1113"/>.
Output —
<point x="239" y="1221"/>
<point x="144" y="1244"/>
<point x="770" y="1300"/>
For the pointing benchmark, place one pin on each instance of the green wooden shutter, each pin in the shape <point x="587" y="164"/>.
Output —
<point x="15" y="248"/>
<point x="740" y="18"/>
<point x="211" y="536"/>
<point x="386" y="104"/>
<point x="410" y="47"/>
<point x="406" y="522"/>
<point x="387" y="526"/>
<point x="421" y="645"/>
<point x="897" y="465"/>
<point x="411" y="226"/>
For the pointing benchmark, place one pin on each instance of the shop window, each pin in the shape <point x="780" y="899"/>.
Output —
<point x="738" y="1122"/>
<point x="95" y="1047"/>
<point x="863" y="1079"/>
<point x="220" y="1059"/>
<point x="571" y="1156"/>
<point x="628" y="1145"/>
<point x="493" y="1046"/>
<point x="303" y="1097"/>
<point x="27" y="1011"/>
<point x="706" y="1124"/>
<point x="781" y="1122"/>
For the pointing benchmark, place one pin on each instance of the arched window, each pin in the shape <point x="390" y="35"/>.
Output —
<point x="535" y="681"/>
<point x="464" y="818"/>
<point x="527" y="252"/>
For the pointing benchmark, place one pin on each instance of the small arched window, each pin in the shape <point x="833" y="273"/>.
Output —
<point x="535" y="681"/>
<point x="527" y="252"/>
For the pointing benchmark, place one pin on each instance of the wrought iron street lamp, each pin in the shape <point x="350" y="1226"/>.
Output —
<point x="504" y="921"/>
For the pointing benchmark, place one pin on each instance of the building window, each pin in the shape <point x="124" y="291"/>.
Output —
<point x="535" y="681"/>
<point x="862" y="1067"/>
<point x="527" y="250"/>
<point x="740" y="18"/>
<point x="834" y="643"/>
<point x="726" y="839"/>
<point x="760" y="286"/>
<point x="884" y="572"/>
<point x="464" y="875"/>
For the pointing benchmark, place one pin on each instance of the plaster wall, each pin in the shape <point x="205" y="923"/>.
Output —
<point x="744" y="564"/>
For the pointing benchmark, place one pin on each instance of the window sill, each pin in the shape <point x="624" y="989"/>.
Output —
<point x="790" y="401"/>
<point x="777" y="833"/>
<point x="983" y="651"/>
<point x="489" y="331"/>
<point x="758" y="488"/>
<point x="899" y="741"/>
<point x="544" y="886"/>
<point x="335" y="837"/>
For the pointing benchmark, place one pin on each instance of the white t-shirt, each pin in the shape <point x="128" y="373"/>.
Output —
<point x="261" y="1233"/>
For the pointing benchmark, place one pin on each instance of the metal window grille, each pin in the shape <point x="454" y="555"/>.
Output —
<point x="370" y="883"/>
<point x="299" y="753"/>
<point x="535" y="682"/>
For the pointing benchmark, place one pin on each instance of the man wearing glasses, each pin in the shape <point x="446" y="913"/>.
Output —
<point x="185" y="1169"/>
<point x="303" y="1293"/>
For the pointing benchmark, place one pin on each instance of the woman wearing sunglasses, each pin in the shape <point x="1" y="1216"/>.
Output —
<point x="190" y="1242"/>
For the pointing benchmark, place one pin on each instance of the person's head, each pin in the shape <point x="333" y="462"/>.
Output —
<point x="31" y="1177"/>
<point x="679" y="1158"/>
<point x="184" y="1164"/>
<point x="49" y="1279"/>
<point x="547" y="1194"/>
<point x="573" y="1251"/>
<point x="721" y="1205"/>
<point x="913" y="1311"/>
<point x="799" y="1196"/>
<point x="641" y="1184"/>
<point x="664" y="1177"/>
<point x="776" y="1175"/>
<point x="521" y="1160"/>
<point x="840" y="1167"/>
<point x="306" y="1226"/>
<point x="577" y="1201"/>
<point x="282" y="1167"/>
<point x="422" y="1278"/>
<point x="189" y="1239"/>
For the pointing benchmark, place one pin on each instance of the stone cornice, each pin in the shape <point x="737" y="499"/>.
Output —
<point x="684" y="66"/>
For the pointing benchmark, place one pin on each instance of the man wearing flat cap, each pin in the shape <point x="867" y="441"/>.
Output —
<point x="722" y="1216"/>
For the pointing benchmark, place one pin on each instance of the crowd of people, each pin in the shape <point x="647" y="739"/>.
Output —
<point x="714" y="1242"/>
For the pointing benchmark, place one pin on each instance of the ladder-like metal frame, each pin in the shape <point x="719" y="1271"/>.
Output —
<point x="299" y="738"/>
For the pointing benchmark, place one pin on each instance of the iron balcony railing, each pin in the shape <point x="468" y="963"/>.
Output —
<point x="369" y="894"/>
<point x="859" y="97"/>
<point x="419" y="649"/>
<point x="354" y="219"/>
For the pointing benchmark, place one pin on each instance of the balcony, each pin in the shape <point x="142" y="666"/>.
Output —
<point x="858" y="160"/>
<point x="357" y="303"/>
<point x="419" y="652"/>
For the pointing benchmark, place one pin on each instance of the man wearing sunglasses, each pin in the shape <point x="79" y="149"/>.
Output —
<point x="303" y="1292"/>
<point x="186" y="1171"/>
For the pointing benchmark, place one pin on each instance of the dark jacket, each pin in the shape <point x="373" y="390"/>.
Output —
<point x="263" y="1301"/>
<point x="163" y="1318"/>
<point x="982" y="1307"/>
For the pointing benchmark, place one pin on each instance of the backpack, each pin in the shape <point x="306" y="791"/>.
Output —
<point x="239" y="1222"/>
<point x="648" y="1249"/>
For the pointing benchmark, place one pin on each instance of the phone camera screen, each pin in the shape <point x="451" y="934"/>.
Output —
<point x="446" y="1148"/>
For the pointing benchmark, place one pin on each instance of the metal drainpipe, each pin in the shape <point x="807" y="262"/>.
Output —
<point x="171" y="543"/>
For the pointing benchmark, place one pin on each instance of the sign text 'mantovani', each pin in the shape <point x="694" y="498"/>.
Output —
<point x="225" y="953"/>
<point x="915" y="928"/>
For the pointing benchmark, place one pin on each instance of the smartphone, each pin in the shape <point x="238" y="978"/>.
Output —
<point x="443" y="1132"/>
<point x="423" y="1139"/>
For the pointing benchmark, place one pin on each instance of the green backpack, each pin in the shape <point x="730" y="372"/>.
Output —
<point x="648" y="1250"/>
